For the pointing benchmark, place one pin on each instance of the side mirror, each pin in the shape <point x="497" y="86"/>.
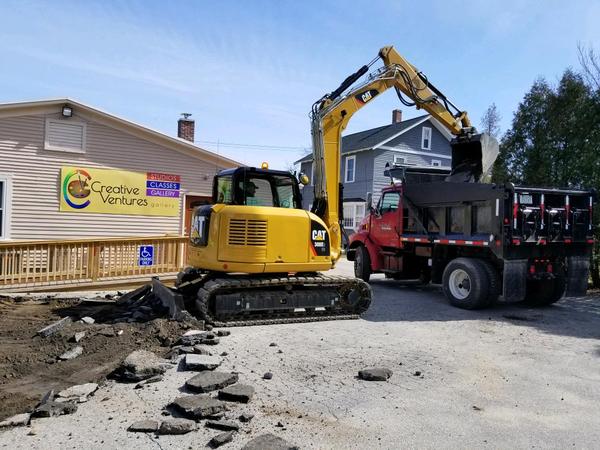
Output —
<point x="303" y="179"/>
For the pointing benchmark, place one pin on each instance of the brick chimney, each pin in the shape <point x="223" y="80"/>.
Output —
<point x="396" y="116"/>
<point x="185" y="127"/>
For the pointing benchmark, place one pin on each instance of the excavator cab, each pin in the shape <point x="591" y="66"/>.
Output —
<point x="251" y="186"/>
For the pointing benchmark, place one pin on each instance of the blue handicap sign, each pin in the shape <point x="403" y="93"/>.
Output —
<point x="146" y="255"/>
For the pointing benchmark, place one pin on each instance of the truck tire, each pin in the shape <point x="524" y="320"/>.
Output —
<point x="362" y="264"/>
<point x="466" y="283"/>
<point x="545" y="292"/>
<point x="494" y="279"/>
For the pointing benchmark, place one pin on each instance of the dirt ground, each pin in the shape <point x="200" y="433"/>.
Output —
<point x="28" y="362"/>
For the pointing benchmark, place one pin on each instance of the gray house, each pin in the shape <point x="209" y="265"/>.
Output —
<point x="420" y="141"/>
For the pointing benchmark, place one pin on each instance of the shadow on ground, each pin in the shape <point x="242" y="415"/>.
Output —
<point x="398" y="301"/>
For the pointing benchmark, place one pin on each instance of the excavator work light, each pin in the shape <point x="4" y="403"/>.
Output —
<point x="264" y="165"/>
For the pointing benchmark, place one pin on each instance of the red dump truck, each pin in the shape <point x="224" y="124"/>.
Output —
<point x="481" y="242"/>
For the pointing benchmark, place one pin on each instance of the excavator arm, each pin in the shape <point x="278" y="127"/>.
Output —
<point x="472" y="154"/>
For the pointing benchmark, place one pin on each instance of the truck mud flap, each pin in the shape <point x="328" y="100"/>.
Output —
<point x="514" y="280"/>
<point x="578" y="272"/>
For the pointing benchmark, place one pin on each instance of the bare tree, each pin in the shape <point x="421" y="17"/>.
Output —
<point x="590" y="63"/>
<point x="490" y="121"/>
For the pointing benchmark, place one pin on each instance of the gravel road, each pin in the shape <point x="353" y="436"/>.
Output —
<point x="507" y="377"/>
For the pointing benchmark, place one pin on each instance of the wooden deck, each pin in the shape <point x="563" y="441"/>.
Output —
<point x="86" y="263"/>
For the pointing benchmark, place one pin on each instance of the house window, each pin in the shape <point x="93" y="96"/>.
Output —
<point x="426" y="138"/>
<point x="65" y="136"/>
<point x="399" y="159"/>
<point x="350" y="168"/>
<point x="4" y="206"/>
<point x="353" y="214"/>
<point x="436" y="163"/>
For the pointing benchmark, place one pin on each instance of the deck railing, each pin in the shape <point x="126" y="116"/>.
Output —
<point x="72" y="262"/>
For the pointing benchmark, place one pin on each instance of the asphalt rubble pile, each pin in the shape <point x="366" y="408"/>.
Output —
<point x="212" y="398"/>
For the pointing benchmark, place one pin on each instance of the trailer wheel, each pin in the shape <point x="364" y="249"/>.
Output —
<point x="362" y="264"/>
<point x="466" y="283"/>
<point x="545" y="292"/>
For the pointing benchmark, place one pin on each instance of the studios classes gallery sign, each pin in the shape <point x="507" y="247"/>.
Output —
<point x="119" y="192"/>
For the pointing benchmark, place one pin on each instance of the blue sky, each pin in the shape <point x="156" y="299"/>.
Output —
<point x="250" y="71"/>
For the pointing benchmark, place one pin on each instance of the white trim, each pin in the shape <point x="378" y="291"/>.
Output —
<point x="423" y="147"/>
<point x="353" y="158"/>
<point x="439" y="163"/>
<point x="385" y="141"/>
<point x="312" y="173"/>
<point x="416" y="152"/>
<point x="48" y="146"/>
<point x="6" y="206"/>
<point x="442" y="129"/>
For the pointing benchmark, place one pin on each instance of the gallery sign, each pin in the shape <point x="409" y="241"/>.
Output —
<point x="119" y="192"/>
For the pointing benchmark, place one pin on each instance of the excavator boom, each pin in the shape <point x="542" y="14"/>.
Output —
<point x="472" y="154"/>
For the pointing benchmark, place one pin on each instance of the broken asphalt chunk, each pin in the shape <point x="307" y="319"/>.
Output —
<point x="198" y="406"/>
<point x="211" y="381"/>
<point x="80" y="390"/>
<point x="242" y="393"/>
<point x="71" y="354"/>
<point x="246" y="417"/>
<point x="52" y="409"/>
<point x="375" y="374"/>
<point x="56" y="326"/>
<point x="143" y="426"/>
<point x="134" y="295"/>
<point x="202" y="362"/>
<point x="269" y="442"/>
<point x="225" y="425"/>
<point x="176" y="426"/>
<point x="18" y="420"/>
<point x="139" y="366"/>
<point x="221" y="439"/>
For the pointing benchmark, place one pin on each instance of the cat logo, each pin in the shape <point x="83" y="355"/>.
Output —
<point x="318" y="235"/>
<point x="364" y="97"/>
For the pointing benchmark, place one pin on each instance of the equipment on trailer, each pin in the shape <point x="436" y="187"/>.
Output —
<point x="254" y="253"/>
<point x="478" y="240"/>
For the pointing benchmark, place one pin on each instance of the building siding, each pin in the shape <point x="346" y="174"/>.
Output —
<point x="36" y="178"/>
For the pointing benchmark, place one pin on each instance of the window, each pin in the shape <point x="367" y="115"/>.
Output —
<point x="224" y="190"/>
<point x="350" y="168"/>
<point x="426" y="138"/>
<point x="353" y="214"/>
<point x="4" y="206"/>
<point x="399" y="159"/>
<point x="436" y="163"/>
<point x="65" y="136"/>
<point x="389" y="202"/>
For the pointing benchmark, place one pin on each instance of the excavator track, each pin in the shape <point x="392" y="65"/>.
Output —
<point x="346" y="299"/>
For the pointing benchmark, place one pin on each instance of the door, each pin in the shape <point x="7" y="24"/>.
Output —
<point x="385" y="224"/>
<point x="191" y="202"/>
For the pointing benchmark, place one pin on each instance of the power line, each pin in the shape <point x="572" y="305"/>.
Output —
<point x="220" y="144"/>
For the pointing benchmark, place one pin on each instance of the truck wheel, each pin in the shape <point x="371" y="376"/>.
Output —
<point x="545" y="292"/>
<point x="362" y="264"/>
<point x="466" y="283"/>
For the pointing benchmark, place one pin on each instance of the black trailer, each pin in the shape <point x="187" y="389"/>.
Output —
<point x="480" y="241"/>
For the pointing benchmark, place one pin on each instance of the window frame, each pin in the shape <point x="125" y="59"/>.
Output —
<point x="55" y="148"/>
<point x="403" y="158"/>
<point x="5" y="209"/>
<point x="348" y="158"/>
<point x="423" y="132"/>
<point x="355" y="218"/>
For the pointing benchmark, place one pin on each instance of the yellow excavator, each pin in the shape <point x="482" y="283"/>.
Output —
<point x="255" y="254"/>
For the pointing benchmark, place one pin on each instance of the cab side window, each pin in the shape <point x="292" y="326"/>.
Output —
<point x="389" y="202"/>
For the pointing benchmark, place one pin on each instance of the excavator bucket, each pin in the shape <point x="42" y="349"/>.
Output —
<point x="472" y="157"/>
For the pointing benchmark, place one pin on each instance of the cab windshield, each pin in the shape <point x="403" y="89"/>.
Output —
<point x="257" y="189"/>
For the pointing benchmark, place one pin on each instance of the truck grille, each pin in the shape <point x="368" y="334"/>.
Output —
<point x="247" y="232"/>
